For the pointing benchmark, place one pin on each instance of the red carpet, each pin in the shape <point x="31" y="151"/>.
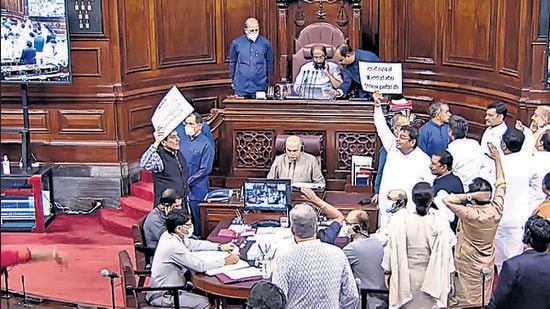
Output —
<point x="89" y="247"/>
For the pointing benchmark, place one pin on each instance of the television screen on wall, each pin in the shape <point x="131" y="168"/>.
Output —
<point x="35" y="42"/>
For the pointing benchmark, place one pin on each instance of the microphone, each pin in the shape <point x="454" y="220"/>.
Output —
<point x="311" y="86"/>
<point x="484" y="272"/>
<point x="107" y="273"/>
<point x="303" y="86"/>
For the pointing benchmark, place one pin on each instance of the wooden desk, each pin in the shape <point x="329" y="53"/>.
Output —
<point x="212" y="213"/>
<point x="39" y="302"/>
<point x="250" y="127"/>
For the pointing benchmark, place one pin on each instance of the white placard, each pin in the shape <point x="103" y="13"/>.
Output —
<point x="382" y="76"/>
<point x="171" y="111"/>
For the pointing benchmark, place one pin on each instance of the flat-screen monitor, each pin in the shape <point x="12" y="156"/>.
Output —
<point x="35" y="42"/>
<point x="267" y="194"/>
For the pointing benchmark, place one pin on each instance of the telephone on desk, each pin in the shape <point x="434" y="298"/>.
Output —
<point x="219" y="195"/>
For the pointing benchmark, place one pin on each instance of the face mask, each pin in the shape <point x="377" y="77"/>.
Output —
<point x="189" y="233"/>
<point x="252" y="36"/>
<point x="189" y="131"/>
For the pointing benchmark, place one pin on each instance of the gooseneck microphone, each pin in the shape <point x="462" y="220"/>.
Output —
<point x="303" y="85"/>
<point x="107" y="273"/>
<point x="484" y="272"/>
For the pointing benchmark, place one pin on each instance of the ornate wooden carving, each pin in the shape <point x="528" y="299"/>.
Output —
<point x="354" y="143"/>
<point x="254" y="149"/>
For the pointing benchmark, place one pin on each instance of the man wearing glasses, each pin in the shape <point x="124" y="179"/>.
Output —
<point x="250" y="61"/>
<point x="406" y="163"/>
<point x="198" y="152"/>
<point x="319" y="78"/>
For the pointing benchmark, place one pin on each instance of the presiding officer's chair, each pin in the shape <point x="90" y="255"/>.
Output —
<point x="321" y="33"/>
<point x="142" y="253"/>
<point x="312" y="144"/>
<point x="134" y="296"/>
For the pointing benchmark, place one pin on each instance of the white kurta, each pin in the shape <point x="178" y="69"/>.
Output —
<point x="539" y="166"/>
<point x="467" y="158"/>
<point x="516" y="208"/>
<point x="400" y="171"/>
<point x="494" y="136"/>
<point x="310" y="77"/>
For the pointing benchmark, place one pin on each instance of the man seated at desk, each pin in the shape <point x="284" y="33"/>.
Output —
<point x="319" y="78"/>
<point x="296" y="165"/>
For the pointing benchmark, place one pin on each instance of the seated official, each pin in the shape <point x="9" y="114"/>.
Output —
<point x="319" y="78"/>
<point x="173" y="258"/>
<point x="155" y="222"/>
<point x="314" y="274"/>
<point x="296" y="165"/>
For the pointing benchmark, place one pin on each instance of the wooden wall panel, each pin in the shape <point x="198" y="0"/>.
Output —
<point x="39" y="120"/>
<point x="88" y="60"/>
<point x="510" y="50"/>
<point x="420" y="31"/>
<point x="470" y="34"/>
<point x="136" y="32"/>
<point x="178" y="42"/>
<point x="82" y="122"/>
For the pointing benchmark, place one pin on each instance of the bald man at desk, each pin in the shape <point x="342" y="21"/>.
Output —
<point x="296" y="165"/>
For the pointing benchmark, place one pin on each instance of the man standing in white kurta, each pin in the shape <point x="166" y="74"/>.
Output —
<point x="406" y="164"/>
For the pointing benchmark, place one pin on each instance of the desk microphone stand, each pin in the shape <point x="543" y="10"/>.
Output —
<point x="113" y="291"/>
<point x="6" y="294"/>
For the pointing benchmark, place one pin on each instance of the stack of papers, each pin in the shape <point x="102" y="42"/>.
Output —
<point x="243" y="273"/>
<point x="227" y="268"/>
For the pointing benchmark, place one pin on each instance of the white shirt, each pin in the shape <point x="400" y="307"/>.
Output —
<point x="310" y="77"/>
<point x="402" y="171"/>
<point x="467" y="158"/>
<point x="494" y="136"/>
<point x="539" y="166"/>
<point x="516" y="173"/>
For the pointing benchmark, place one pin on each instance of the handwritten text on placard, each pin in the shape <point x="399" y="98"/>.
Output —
<point x="382" y="76"/>
<point x="171" y="112"/>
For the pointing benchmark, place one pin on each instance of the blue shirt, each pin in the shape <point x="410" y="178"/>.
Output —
<point x="433" y="137"/>
<point x="205" y="129"/>
<point x="382" y="154"/>
<point x="351" y="72"/>
<point x="250" y="65"/>
<point x="199" y="155"/>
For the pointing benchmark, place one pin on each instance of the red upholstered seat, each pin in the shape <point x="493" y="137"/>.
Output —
<point x="321" y="33"/>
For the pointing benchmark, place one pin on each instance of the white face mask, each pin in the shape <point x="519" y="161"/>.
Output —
<point x="189" y="233"/>
<point x="252" y="36"/>
<point x="189" y="131"/>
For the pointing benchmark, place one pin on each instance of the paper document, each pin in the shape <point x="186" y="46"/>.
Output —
<point x="311" y="185"/>
<point x="224" y="269"/>
<point x="209" y="255"/>
<point x="171" y="111"/>
<point x="243" y="273"/>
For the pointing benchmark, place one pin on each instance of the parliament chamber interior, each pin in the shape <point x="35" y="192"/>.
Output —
<point x="82" y="126"/>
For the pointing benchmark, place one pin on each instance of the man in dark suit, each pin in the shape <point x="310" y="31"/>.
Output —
<point x="525" y="278"/>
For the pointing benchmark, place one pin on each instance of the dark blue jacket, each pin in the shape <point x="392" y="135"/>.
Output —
<point x="250" y="65"/>
<point x="351" y="72"/>
<point x="524" y="282"/>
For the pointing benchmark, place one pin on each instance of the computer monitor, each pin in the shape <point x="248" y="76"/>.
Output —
<point x="267" y="194"/>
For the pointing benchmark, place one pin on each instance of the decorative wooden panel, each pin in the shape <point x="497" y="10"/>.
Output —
<point x="75" y="121"/>
<point x="470" y="34"/>
<point x="511" y="38"/>
<point x="254" y="149"/>
<point x="135" y="35"/>
<point x="139" y="117"/>
<point x="88" y="60"/>
<point x="354" y="143"/>
<point x="38" y="120"/>
<point x="420" y="29"/>
<point x="185" y="32"/>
